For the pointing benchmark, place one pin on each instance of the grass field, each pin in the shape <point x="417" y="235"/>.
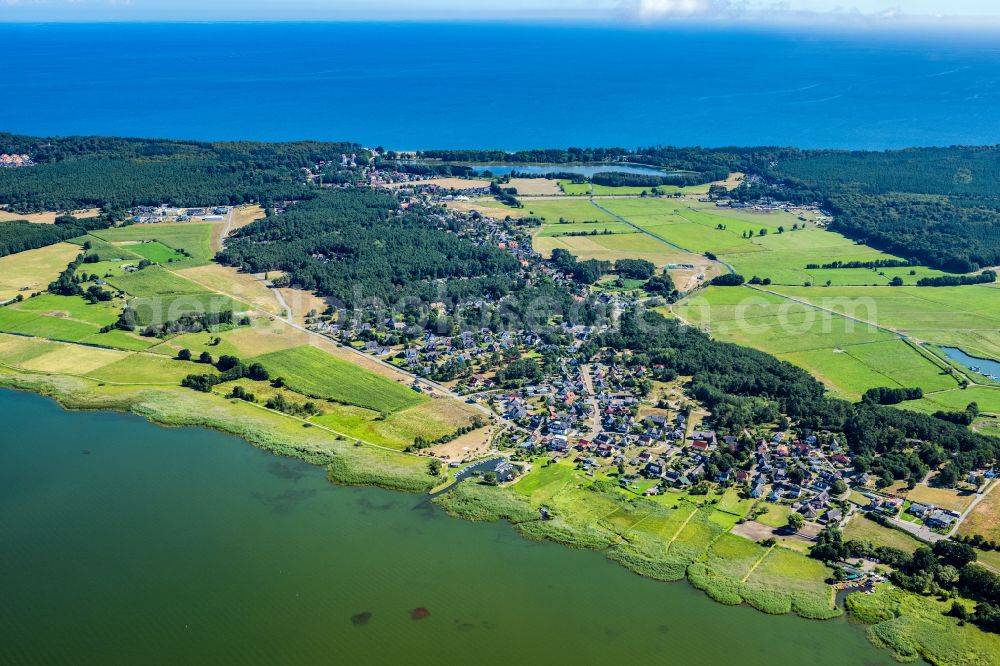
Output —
<point x="535" y="186"/>
<point x="158" y="295"/>
<point x="193" y="237"/>
<point x="32" y="323"/>
<point x="965" y="317"/>
<point x="985" y="518"/>
<point x="71" y="307"/>
<point x="860" y="527"/>
<point x="584" y="189"/>
<point x="915" y="627"/>
<point x="848" y="356"/>
<point x="156" y="252"/>
<point x="988" y="399"/>
<point x="776" y="515"/>
<point x="312" y="371"/>
<point x="243" y="287"/>
<point x="31" y="271"/>
<point x="431" y="419"/>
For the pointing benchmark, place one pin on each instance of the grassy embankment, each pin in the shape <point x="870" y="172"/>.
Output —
<point x="154" y="396"/>
<point x="916" y="627"/>
<point x="679" y="536"/>
<point x="848" y="356"/>
<point x="668" y="537"/>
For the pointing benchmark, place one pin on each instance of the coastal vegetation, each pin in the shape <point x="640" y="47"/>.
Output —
<point x="125" y="323"/>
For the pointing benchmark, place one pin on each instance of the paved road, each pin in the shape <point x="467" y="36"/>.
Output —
<point x="919" y="531"/>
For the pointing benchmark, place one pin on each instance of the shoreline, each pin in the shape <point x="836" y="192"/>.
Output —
<point x="356" y="464"/>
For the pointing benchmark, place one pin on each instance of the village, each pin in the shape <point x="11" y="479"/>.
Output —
<point x="610" y="418"/>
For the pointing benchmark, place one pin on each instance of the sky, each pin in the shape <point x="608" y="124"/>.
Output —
<point x="945" y="13"/>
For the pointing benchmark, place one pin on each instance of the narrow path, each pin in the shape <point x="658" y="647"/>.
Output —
<point x="758" y="563"/>
<point x="282" y="303"/>
<point x="681" y="529"/>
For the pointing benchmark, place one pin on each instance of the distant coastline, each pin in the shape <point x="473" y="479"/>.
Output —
<point x="555" y="85"/>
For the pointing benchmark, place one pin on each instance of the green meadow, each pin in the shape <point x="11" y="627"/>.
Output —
<point x="157" y="252"/>
<point x="586" y="189"/>
<point x="967" y="317"/>
<point x="672" y="536"/>
<point x="848" y="356"/>
<point x="157" y="295"/>
<point x="194" y="238"/>
<point x="313" y="372"/>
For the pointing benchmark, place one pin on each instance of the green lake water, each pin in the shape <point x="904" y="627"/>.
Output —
<point x="122" y="542"/>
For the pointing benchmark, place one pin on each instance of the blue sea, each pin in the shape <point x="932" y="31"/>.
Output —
<point x="411" y="86"/>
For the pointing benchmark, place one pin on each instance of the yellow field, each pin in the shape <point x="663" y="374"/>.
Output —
<point x="302" y="302"/>
<point x="615" y="246"/>
<point x="985" y="518"/>
<point x="535" y="186"/>
<point x="46" y="217"/>
<point x="73" y="359"/>
<point x="940" y="497"/>
<point x="447" y="183"/>
<point x="33" y="270"/>
<point x="489" y="206"/>
<point x="243" y="287"/>
<point x="242" y="216"/>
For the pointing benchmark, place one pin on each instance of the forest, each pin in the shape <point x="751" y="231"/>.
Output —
<point x="743" y="387"/>
<point x="939" y="206"/>
<point x="358" y="244"/>
<point x="19" y="236"/>
<point x="115" y="173"/>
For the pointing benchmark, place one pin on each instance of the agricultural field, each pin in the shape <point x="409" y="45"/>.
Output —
<point x="448" y="183"/>
<point x="31" y="271"/>
<point x="24" y="322"/>
<point x="860" y="527"/>
<point x="46" y="217"/>
<point x="614" y="246"/>
<point x="193" y="237"/>
<point x="158" y="295"/>
<point x="431" y="419"/>
<point x="107" y="365"/>
<point x="143" y="368"/>
<point x="849" y="356"/>
<point x="156" y="252"/>
<point x="535" y="187"/>
<point x="966" y="317"/>
<point x="243" y="287"/>
<point x="988" y="399"/>
<point x="70" y="307"/>
<point x="985" y="518"/>
<point x="263" y="336"/>
<point x="69" y="359"/>
<point x="586" y="189"/>
<point x="311" y="371"/>
<point x="946" y="498"/>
